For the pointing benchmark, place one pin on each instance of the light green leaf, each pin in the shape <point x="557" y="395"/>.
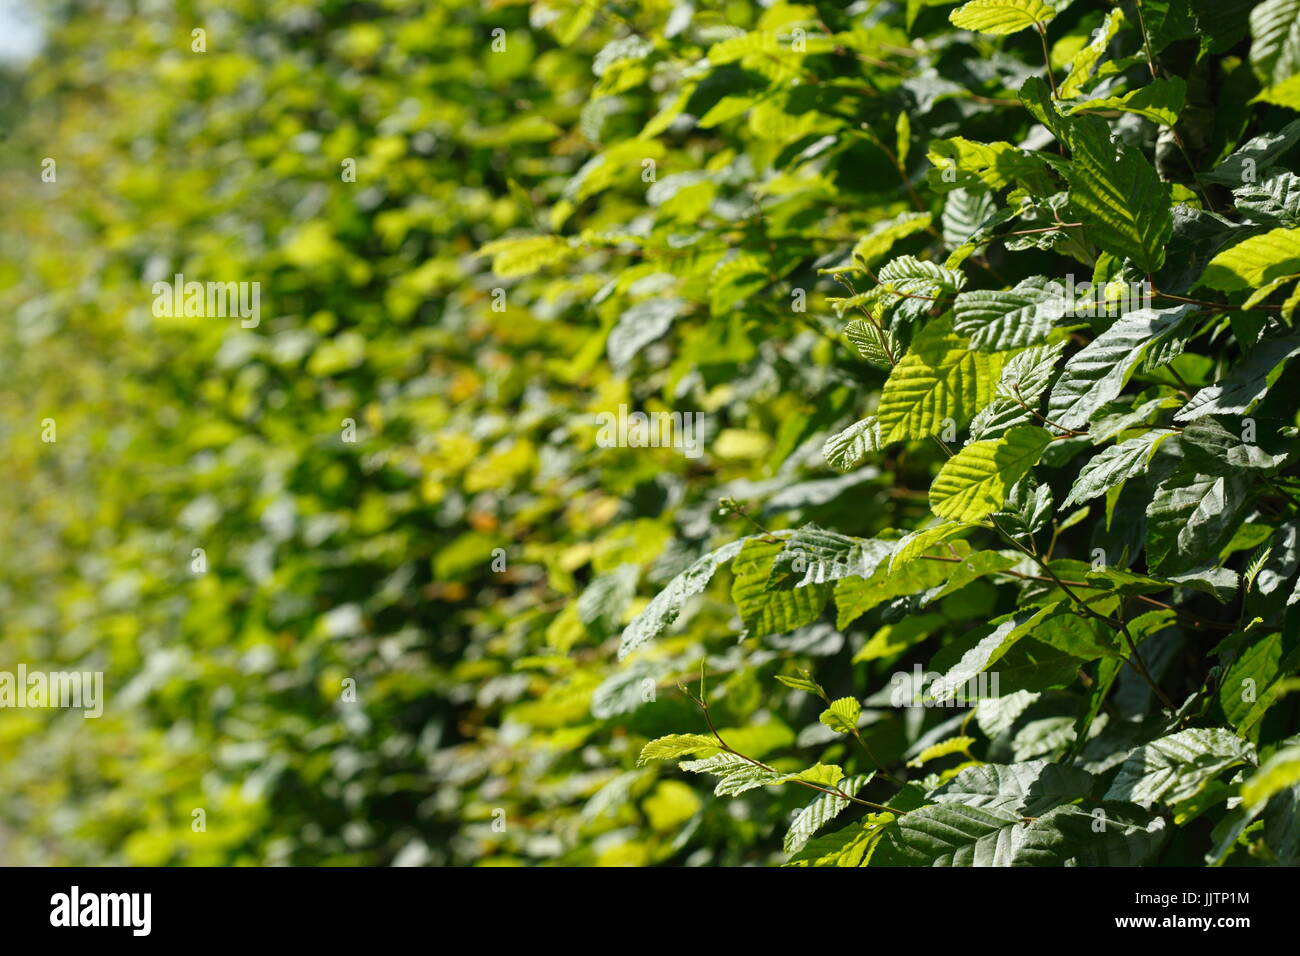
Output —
<point x="767" y="611"/>
<point x="1255" y="262"/>
<point x="1160" y="101"/>
<point x="931" y="385"/>
<point x="822" y="811"/>
<point x="1277" y="772"/>
<point x="1087" y="58"/>
<point x="674" y="746"/>
<point x="842" y="715"/>
<point x="945" y="748"/>
<point x="974" y="482"/>
<point x="1001" y="17"/>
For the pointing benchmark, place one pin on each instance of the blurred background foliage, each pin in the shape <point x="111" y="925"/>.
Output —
<point x="477" y="690"/>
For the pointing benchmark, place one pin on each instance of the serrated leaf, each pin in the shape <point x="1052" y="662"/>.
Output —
<point x="1273" y="200"/>
<point x="1246" y="384"/>
<point x="1010" y="319"/>
<point x="1097" y="373"/>
<point x="931" y="386"/>
<point x="1160" y="101"/>
<point x="1117" y="194"/>
<point x="1255" y="262"/>
<point x="988" y="651"/>
<point x="1087" y="58"/>
<point x="842" y="715"/>
<point x="1114" y="465"/>
<point x="1275" y="40"/>
<point x="821" y="811"/>
<point x="1278" y="772"/>
<point x="802" y="683"/>
<point x="845" y="450"/>
<point x="674" y="746"/>
<point x="1030" y="788"/>
<point x="1191" y="517"/>
<point x="1001" y="17"/>
<point x="848" y="847"/>
<point x="665" y="607"/>
<point x="1174" y="768"/>
<point x="878" y="346"/>
<point x="948" y="834"/>
<point x="767" y="611"/>
<point x="1256" y="155"/>
<point x="945" y="748"/>
<point x="975" y="481"/>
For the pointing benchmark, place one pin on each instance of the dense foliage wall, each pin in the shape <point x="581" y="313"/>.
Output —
<point x="975" y="321"/>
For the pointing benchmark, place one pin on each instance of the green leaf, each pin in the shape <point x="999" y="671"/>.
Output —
<point x="1160" y="101"/>
<point x="1119" y="197"/>
<point x="1255" y="262"/>
<point x="1256" y="155"/>
<point x="524" y="256"/>
<point x="1275" y="40"/>
<point x="854" y="596"/>
<point x="930" y="386"/>
<point x="802" y="683"/>
<point x="674" y="746"/>
<point x="1030" y="788"/>
<point x="848" y="847"/>
<point x="945" y="834"/>
<point x="983" y="166"/>
<point x="1174" y="768"/>
<point x="1088" y="58"/>
<point x="878" y="346"/>
<point x="1245" y="384"/>
<point x="1274" y="200"/>
<point x="1278" y="772"/>
<point x="845" y="450"/>
<point x="1097" y="373"/>
<point x="766" y="611"/>
<point x="735" y="773"/>
<point x="842" y="715"/>
<point x="974" y="482"/>
<point x="813" y="555"/>
<point x="881" y="239"/>
<point x="1191" y="517"/>
<point x="1011" y="319"/>
<point x="946" y="748"/>
<point x="664" y="608"/>
<point x="988" y="651"/>
<point x="1115" y="465"/>
<point x="1001" y="17"/>
<point x="602" y="603"/>
<point x="821" y="811"/>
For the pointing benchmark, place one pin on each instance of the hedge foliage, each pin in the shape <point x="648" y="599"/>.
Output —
<point x="973" y="538"/>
